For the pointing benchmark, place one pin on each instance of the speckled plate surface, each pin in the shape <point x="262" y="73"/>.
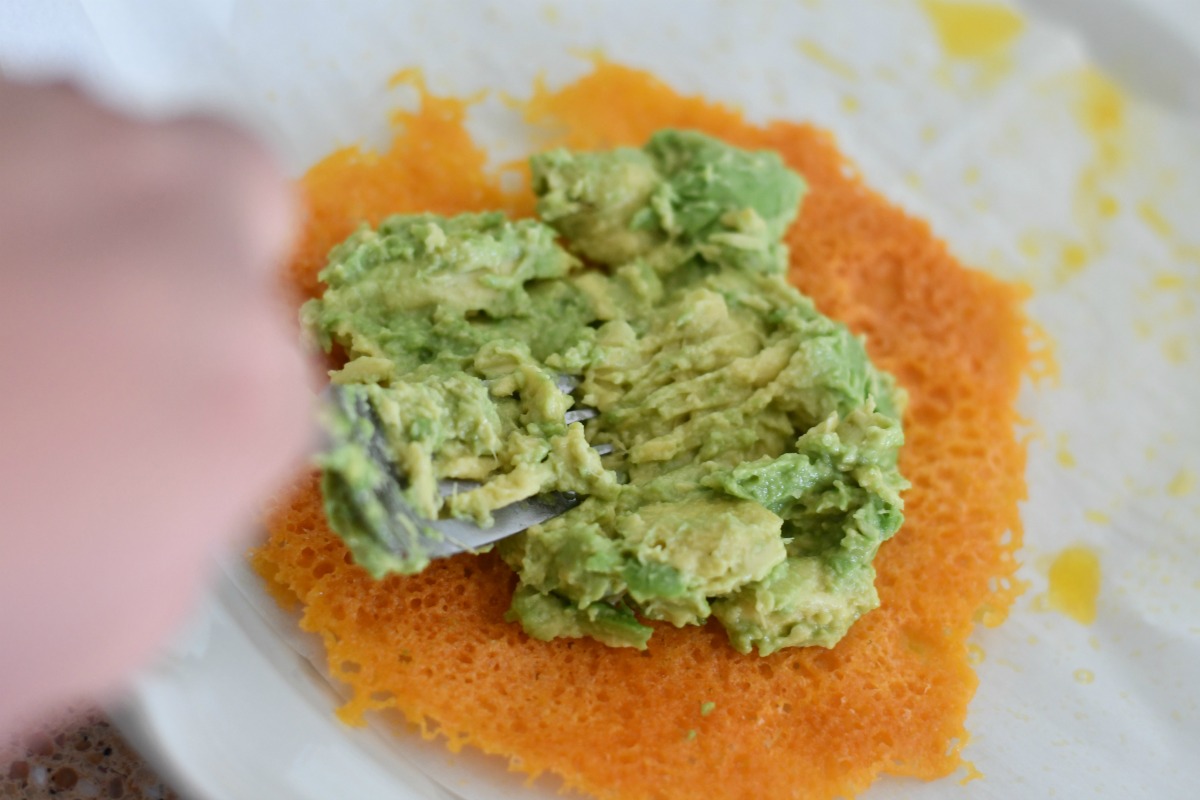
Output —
<point x="1026" y="159"/>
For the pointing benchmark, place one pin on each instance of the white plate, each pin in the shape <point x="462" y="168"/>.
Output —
<point x="990" y="151"/>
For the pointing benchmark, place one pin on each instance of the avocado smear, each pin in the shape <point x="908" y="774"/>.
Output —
<point x="754" y="470"/>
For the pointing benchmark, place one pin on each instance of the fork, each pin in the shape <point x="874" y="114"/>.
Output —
<point x="383" y="510"/>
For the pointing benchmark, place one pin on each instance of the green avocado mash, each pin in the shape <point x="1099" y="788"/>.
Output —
<point x="753" y="475"/>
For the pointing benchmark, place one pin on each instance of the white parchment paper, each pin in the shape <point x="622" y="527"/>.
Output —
<point x="1026" y="161"/>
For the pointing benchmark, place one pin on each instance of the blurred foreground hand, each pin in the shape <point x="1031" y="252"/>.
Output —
<point x="151" y="392"/>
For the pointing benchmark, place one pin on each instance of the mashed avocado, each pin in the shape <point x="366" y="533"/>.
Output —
<point x="753" y="475"/>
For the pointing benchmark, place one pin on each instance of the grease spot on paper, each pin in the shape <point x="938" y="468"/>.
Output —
<point x="977" y="38"/>
<point x="1108" y="206"/>
<point x="1100" y="108"/>
<point x="1075" y="257"/>
<point x="1183" y="484"/>
<point x="1154" y="219"/>
<point x="815" y="52"/>
<point x="1175" y="349"/>
<point x="973" y="29"/>
<point x="1062" y="454"/>
<point x="1074" y="585"/>
<point x="1169" y="281"/>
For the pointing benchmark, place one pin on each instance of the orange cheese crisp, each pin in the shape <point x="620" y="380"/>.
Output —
<point x="691" y="717"/>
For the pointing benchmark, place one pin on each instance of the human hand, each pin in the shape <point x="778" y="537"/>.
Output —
<point x="151" y="391"/>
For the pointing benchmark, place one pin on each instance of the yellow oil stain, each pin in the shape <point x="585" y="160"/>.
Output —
<point x="1054" y="259"/>
<point x="1074" y="256"/>
<point x="1183" y="484"/>
<point x="1030" y="245"/>
<point x="850" y="104"/>
<point x="1154" y="219"/>
<point x="1098" y="517"/>
<point x="409" y="76"/>
<point x="973" y="773"/>
<point x="1073" y="259"/>
<point x="817" y="53"/>
<point x="971" y="175"/>
<point x="1084" y="676"/>
<point x="1101" y="111"/>
<point x="975" y="655"/>
<point x="1062" y="454"/>
<point x="1151" y="453"/>
<point x="973" y="29"/>
<point x="1103" y="105"/>
<point x="1142" y="328"/>
<point x="551" y="13"/>
<point x="929" y="134"/>
<point x="1187" y="252"/>
<point x="1174" y="349"/>
<point x="1169" y="281"/>
<point x="1094" y="642"/>
<point x="1075" y="584"/>
<point x="1108" y="206"/>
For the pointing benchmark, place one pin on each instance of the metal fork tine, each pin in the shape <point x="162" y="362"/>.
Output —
<point x="400" y="529"/>
<point x="452" y="486"/>
<point x="460" y="536"/>
<point x="567" y="383"/>
<point x="580" y="414"/>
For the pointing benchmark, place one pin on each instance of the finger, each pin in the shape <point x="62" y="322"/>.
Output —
<point x="248" y="190"/>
